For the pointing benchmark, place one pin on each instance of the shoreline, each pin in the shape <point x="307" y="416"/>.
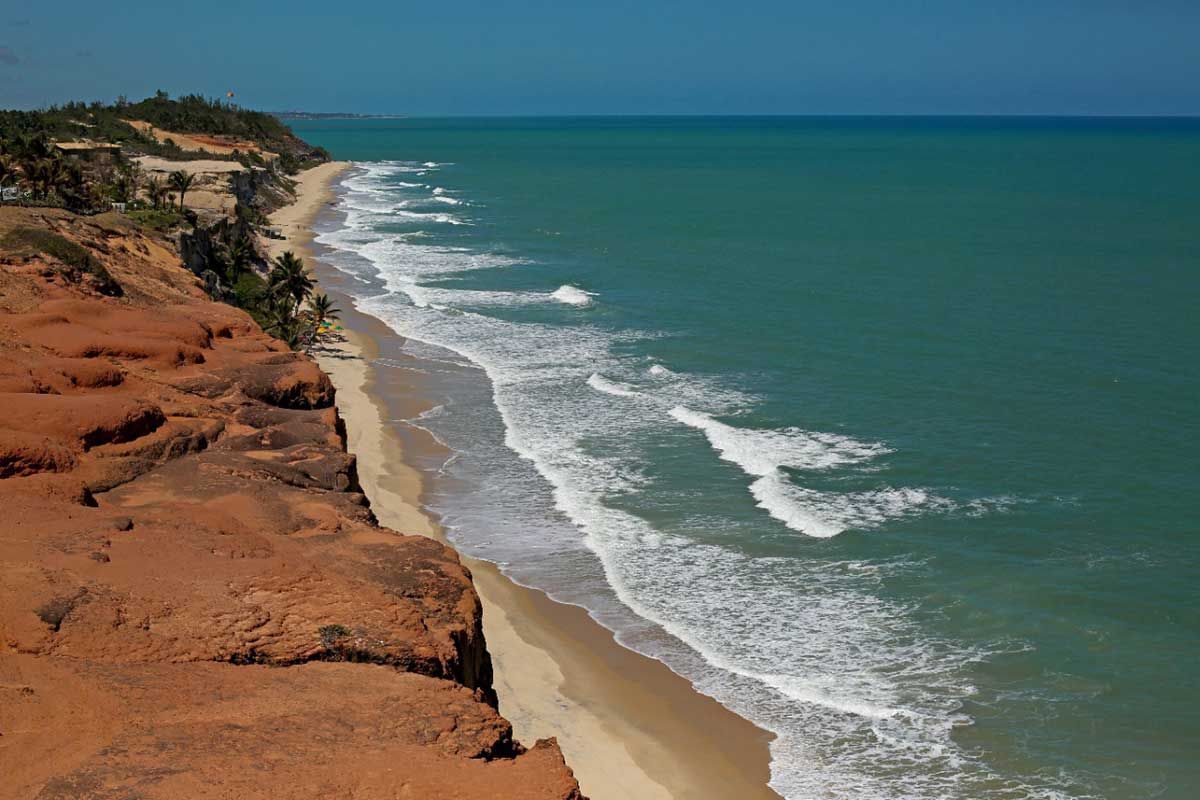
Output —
<point x="627" y="724"/>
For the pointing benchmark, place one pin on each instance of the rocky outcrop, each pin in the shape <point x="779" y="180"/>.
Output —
<point x="264" y="190"/>
<point x="195" y="598"/>
<point x="199" y="246"/>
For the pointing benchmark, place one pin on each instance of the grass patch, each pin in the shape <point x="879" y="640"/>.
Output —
<point x="34" y="241"/>
<point x="156" y="218"/>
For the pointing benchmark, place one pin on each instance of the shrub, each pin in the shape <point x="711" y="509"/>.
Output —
<point x="31" y="241"/>
<point x="249" y="291"/>
<point x="330" y="634"/>
<point x="156" y="218"/>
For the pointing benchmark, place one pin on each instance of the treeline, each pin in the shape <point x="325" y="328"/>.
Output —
<point x="104" y="122"/>
<point x="38" y="174"/>
<point x="196" y="114"/>
<point x="284" y="303"/>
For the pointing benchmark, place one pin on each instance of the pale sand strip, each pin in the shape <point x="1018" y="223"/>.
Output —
<point x="313" y="191"/>
<point x="629" y="727"/>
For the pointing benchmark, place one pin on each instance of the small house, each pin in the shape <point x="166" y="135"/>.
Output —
<point x="88" y="151"/>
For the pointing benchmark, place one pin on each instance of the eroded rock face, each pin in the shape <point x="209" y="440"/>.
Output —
<point x="314" y="730"/>
<point x="195" y="598"/>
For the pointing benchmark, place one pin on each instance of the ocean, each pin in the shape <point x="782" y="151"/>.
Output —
<point x="882" y="432"/>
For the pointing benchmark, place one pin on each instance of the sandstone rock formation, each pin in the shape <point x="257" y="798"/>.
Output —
<point x="195" y="599"/>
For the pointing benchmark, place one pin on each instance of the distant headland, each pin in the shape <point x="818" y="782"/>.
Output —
<point x="286" y="115"/>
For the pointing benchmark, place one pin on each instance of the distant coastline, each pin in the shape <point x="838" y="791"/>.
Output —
<point x="287" y="115"/>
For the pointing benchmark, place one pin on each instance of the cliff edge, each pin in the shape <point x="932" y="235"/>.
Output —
<point x="195" y="598"/>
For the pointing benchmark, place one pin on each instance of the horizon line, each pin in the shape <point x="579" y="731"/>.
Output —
<point x="761" y="115"/>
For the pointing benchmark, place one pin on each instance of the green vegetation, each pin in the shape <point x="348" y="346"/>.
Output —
<point x="195" y="114"/>
<point x="106" y="122"/>
<point x="322" y="310"/>
<point x="10" y="171"/>
<point x="181" y="181"/>
<point x="36" y="160"/>
<point x="28" y="241"/>
<point x="288" y="285"/>
<point x="44" y="176"/>
<point x="158" y="219"/>
<point x="34" y="165"/>
<point x="33" y="161"/>
<point x="344" y="644"/>
<point x="75" y="258"/>
<point x="156" y="192"/>
<point x="330" y="634"/>
<point x="249" y="292"/>
<point x="276" y="303"/>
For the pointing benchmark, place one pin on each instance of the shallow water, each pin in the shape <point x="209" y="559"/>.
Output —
<point x="881" y="431"/>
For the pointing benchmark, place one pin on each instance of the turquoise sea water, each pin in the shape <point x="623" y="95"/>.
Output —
<point x="882" y="431"/>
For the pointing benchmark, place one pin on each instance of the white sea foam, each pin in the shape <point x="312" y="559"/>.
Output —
<point x="862" y="701"/>
<point x="763" y="454"/>
<point x="572" y="295"/>
<point x="602" y="384"/>
<point x="447" y="219"/>
<point x="825" y="514"/>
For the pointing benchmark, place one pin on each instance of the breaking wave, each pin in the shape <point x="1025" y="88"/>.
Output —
<point x="862" y="700"/>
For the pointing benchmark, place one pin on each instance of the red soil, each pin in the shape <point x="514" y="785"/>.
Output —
<point x="195" y="599"/>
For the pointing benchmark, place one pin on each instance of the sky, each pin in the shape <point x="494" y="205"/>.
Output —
<point x="529" y="57"/>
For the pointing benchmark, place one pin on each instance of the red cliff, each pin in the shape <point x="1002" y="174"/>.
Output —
<point x="195" y="598"/>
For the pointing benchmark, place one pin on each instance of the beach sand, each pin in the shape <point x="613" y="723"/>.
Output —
<point x="313" y="192"/>
<point x="627" y="724"/>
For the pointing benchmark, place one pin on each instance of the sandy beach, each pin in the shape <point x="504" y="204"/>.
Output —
<point x="628" y="725"/>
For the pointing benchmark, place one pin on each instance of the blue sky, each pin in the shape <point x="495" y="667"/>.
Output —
<point x="617" y="56"/>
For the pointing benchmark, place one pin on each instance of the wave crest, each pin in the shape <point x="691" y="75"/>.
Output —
<point x="572" y="295"/>
<point x="602" y="384"/>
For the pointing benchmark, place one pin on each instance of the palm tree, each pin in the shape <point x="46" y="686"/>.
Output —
<point x="121" y="188"/>
<point x="46" y="175"/>
<point x="288" y="281"/>
<point x="71" y="184"/>
<point x="31" y="152"/>
<point x="240" y="254"/>
<point x="287" y="286"/>
<point x="133" y="174"/>
<point x="31" y="148"/>
<point x="230" y="260"/>
<point x="285" y="326"/>
<point x="32" y="170"/>
<point x="8" y="171"/>
<point x="155" y="189"/>
<point x="321" y="309"/>
<point x="182" y="181"/>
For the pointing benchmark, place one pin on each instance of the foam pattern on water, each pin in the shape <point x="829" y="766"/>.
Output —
<point x="862" y="700"/>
